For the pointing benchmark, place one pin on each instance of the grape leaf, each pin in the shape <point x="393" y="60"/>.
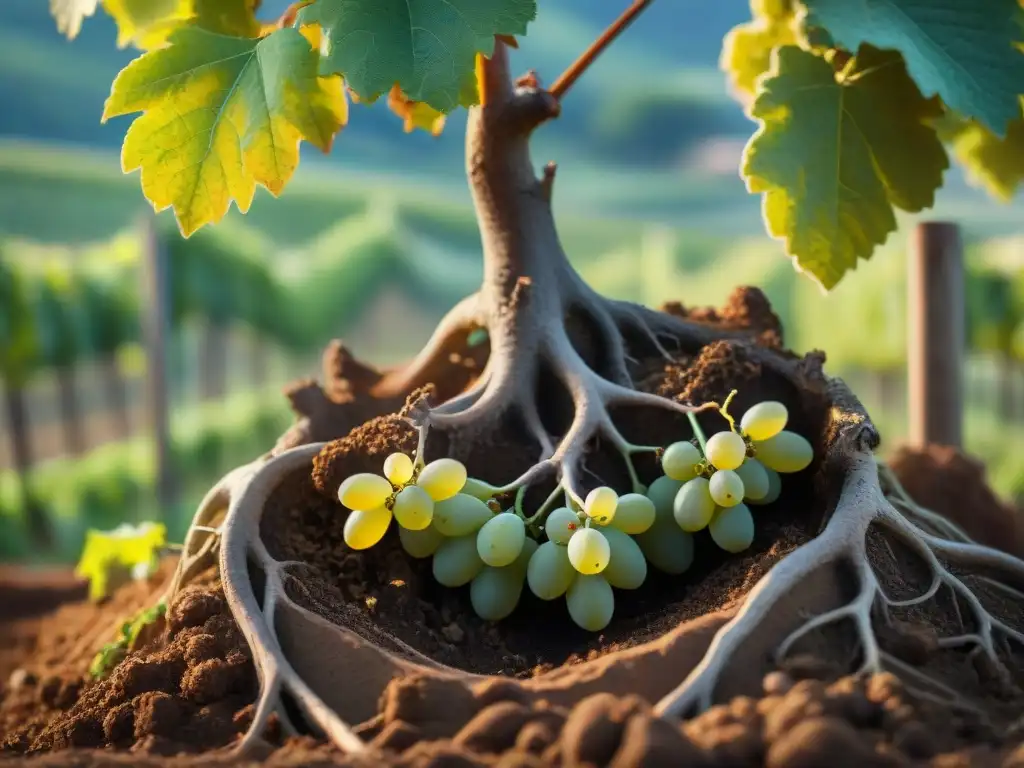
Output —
<point x="961" y="50"/>
<point x="427" y="47"/>
<point x="125" y="548"/>
<point x="415" y="114"/>
<point x="835" y="153"/>
<point x="69" y="15"/>
<point x="221" y="114"/>
<point x="747" y="48"/>
<point x="147" y="24"/>
<point x="995" y="163"/>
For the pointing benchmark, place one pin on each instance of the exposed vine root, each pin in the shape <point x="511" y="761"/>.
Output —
<point x="844" y="539"/>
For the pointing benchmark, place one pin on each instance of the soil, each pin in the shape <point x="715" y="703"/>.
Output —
<point x="191" y="690"/>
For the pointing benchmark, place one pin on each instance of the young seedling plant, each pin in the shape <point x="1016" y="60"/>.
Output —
<point x="855" y="105"/>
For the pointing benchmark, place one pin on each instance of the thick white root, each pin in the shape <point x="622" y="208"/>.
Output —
<point x="862" y="504"/>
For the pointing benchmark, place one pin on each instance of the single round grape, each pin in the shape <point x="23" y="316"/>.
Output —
<point x="726" y="450"/>
<point x="478" y="489"/>
<point x="693" y="506"/>
<point x="591" y="602"/>
<point x="523" y="561"/>
<point x="364" y="491"/>
<point x="363" y="529"/>
<point x="634" y="514"/>
<point x="501" y="538"/>
<point x="755" y="479"/>
<point x="398" y="468"/>
<point x="494" y="592"/>
<point x="667" y="547"/>
<point x="774" y="488"/>
<point x="764" y="420"/>
<point x="460" y="515"/>
<point x="550" y="573"/>
<point x="589" y="551"/>
<point x="457" y="562"/>
<point x="422" y="543"/>
<point x="627" y="567"/>
<point x="732" y="528"/>
<point x="726" y="488"/>
<point x="662" y="492"/>
<point x="786" y="452"/>
<point x="680" y="461"/>
<point x="600" y="505"/>
<point x="442" y="478"/>
<point x="561" y="524"/>
<point x="413" y="508"/>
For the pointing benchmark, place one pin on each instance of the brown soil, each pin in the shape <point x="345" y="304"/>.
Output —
<point x="191" y="691"/>
<point x="943" y="479"/>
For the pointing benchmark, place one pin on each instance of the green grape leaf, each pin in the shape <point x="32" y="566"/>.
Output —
<point x="835" y="152"/>
<point x="962" y="50"/>
<point x="221" y="114"/>
<point x="427" y="47"/>
<point x="147" y="24"/>
<point x="993" y="162"/>
<point x="126" y="549"/>
<point x="747" y="48"/>
<point x="69" y="15"/>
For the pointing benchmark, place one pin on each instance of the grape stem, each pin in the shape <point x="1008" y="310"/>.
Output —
<point x="698" y="432"/>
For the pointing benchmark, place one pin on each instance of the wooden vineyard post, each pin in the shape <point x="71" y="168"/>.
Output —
<point x="935" y="354"/>
<point x="155" y="293"/>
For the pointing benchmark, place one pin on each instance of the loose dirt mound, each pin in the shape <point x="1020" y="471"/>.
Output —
<point x="192" y="691"/>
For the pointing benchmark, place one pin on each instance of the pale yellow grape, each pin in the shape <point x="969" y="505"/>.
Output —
<point x="364" y="491"/>
<point x="457" y="562"/>
<point x="550" y="573"/>
<point x="600" y="505"/>
<point x="726" y="450"/>
<point x="680" y="461"/>
<point x="589" y="551"/>
<point x="693" y="506"/>
<point x="627" y="567"/>
<point x="413" y="508"/>
<point x="786" y="452"/>
<point x="442" y="478"/>
<point x="363" y="529"/>
<point x="591" y="602"/>
<point x="755" y="479"/>
<point x="634" y="513"/>
<point x="420" y="544"/>
<point x="495" y="592"/>
<point x="764" y="420"/>
<point x="733" y="529"/>
<point x="664" y="544"/>
<point x="398" y="468"/>
<point x="774" y="488"/>
<point x="726" y="488"/>
<point x="460" y="515"/>
<point x="501" y="539"/>
<point x="561" y="524"/>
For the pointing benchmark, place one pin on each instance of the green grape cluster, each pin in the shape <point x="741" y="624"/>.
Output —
<point x="579" y="552"/>
<point x="713" y="487"/>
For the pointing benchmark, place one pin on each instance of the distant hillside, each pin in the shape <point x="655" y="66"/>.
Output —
<point x="646" y="102"/>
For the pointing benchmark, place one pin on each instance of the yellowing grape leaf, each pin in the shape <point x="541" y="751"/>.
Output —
<point x="995" y="163"/>
<point x="747" y="48"/>
<point x="427" y="47"/>
<point x="222" y="114"/>
<point x="415" y="114"/>
<point x="961" y="50"/>
<point x="147" y="24"/>
<point x="69" y="15"/>
<point x="126" y="547"/>
<point x="835" y="153"/>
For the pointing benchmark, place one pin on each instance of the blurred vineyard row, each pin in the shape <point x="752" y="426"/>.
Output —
<point x="384" y="274"/>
